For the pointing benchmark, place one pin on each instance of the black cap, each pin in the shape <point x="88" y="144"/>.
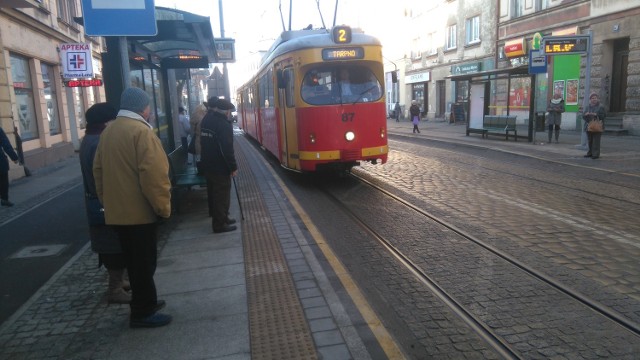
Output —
<point x="212" y="102"/>
<point x="100" y="113"/>
<point x="224" y="105"/>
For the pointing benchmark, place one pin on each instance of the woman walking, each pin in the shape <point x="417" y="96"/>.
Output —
<point x="414" y="110"/>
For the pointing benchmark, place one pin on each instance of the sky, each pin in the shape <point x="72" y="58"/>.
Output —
<point x="255" y="24"/>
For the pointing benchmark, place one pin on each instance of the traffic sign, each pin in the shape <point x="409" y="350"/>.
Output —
<point x="119" y="17"/>
<point x="537" y="62"/>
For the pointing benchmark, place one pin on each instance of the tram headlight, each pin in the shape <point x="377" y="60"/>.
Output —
<point x="349" y="135"/>
<point x="382" y="133"/>
<point x="312" y="138"/>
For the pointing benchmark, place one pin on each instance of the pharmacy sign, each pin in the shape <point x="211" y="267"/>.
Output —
<point x="76" y="61"/>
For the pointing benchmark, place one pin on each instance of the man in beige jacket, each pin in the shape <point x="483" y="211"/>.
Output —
<point x="131" y="174"/>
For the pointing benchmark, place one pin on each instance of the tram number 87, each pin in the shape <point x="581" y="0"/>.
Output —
<point x="348" y="117"/>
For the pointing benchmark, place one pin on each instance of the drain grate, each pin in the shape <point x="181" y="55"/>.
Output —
<point x="38" y="251"/>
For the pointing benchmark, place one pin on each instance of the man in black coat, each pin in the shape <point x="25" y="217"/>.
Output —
<point x="5" y="147"/>
<point x="218" y="162"/>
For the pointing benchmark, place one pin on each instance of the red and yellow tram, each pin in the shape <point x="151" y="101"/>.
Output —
<point x="317" y="101"/>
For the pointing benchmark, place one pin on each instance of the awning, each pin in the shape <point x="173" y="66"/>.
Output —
<point x="520" y="70"/>
<point x="515" y="48"/>
<point x="180" y="34"/>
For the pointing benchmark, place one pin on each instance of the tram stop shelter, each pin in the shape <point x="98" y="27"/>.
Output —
<point x="161" y="65"/>
<point x="501" y="92"/>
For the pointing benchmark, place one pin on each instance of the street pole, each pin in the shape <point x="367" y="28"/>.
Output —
<point x="587" y="91"/>
<point x="225" y="72"/>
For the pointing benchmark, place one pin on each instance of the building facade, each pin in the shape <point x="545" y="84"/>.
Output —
<point x="34" y="104"/>
<point x="451" y="40"/>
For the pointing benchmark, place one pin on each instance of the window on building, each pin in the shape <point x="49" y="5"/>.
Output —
<point x="473" y="30"/>
<point x="416" y="51"/>
<point x="66" y="10"/>
<point x="542" y="4"/>
<point x="450" y="42"/>
<point x="23" y="88"/>
<point x="51" y="98"/>
<point x="517" y="8"/>
<point x="431" y="46"/>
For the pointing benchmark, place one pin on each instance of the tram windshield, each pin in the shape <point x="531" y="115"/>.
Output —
<point x="340" y="85"/>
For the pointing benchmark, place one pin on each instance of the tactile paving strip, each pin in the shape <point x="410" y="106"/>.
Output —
<point x="277" y="324"/>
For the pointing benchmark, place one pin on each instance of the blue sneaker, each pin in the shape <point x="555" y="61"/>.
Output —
<point x="155" y="320"/>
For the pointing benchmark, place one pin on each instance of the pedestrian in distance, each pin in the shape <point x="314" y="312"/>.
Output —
<point x="594" y="112"/>
<point x="104" y="240"/>
<point x="194" y="125"/>
<point x="397" y="111"/>
<point x="414" y="111"/>
<point x="6" y="149"/>
<point x="131" y="172"/>
<point x="218" y="162"/>
<point x="555" y="108"/>
<point x="184" y="126"/>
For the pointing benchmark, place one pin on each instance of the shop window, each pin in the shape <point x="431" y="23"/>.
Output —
<point x="23" y="89"/>
<point x="50" y="98"/>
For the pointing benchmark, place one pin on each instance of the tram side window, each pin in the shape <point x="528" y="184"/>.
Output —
<point x="340" y="85"/>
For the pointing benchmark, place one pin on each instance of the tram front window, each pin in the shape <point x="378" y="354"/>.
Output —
<point x="340" y="85"/>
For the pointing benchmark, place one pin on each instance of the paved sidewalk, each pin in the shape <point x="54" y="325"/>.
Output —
<point x="618" y="153"/>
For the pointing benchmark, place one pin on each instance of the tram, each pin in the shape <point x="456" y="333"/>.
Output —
<point x="317" y="101"/>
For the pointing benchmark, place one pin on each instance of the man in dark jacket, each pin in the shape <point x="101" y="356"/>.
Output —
<point x="5" y="147"/>
<point x="218" y="162"/>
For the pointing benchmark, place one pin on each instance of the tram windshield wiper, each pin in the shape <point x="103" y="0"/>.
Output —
<point x="364" y="92"/>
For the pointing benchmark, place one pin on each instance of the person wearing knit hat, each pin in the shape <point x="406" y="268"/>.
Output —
<point x="131" y="173"/>
<point x="594" y="112"/>
<point x="104" y="240"/>
<point x="134" y="99"/>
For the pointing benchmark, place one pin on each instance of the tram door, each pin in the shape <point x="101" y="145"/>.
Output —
<point x="287" y="119"/>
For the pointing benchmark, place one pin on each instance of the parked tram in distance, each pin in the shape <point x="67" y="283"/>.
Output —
<point x="317" y="101"/>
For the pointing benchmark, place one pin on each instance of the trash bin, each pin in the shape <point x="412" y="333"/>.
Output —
<point x="540" y="121"/>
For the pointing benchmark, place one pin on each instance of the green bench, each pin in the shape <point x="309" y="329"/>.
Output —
<point x="182" y="175"/>
<point x="496" y="124"/>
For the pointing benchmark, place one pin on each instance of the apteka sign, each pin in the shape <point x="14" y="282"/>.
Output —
<point x="76" y="61"/>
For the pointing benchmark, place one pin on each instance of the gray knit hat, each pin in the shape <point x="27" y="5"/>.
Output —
<point x="134" y="99"/>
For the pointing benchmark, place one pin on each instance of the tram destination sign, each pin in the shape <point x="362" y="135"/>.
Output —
<point x="565" y="45"/>
<point x="343" y="53"/>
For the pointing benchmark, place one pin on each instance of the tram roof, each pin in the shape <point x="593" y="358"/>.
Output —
<point x="303" y="39"/>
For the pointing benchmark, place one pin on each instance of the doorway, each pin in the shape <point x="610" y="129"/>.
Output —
<point x="477" y="109"/>
<point x="619" y="73"/>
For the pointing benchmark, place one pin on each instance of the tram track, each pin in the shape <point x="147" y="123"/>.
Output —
<point x="476" y="323"/>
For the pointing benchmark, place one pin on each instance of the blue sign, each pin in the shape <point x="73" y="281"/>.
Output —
<point x="119" y="17"/>
<point x="537" y="62"/>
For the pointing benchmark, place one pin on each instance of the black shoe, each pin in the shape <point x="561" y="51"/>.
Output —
<point x="588" y="155"/>
<point x="6" y="203"/>
<point x="595" y="157"/>
<point x="225" y="228"/>
<point x="151" y="321"/>
<point x="230" y="221"/>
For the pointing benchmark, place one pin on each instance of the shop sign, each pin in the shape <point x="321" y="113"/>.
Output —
<point x="83" y="83"/>
<point x="514" y="48"/>
<point x="76" y="60"/>
<point x="419" y="77"/>
<point x="466" y="68"/>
